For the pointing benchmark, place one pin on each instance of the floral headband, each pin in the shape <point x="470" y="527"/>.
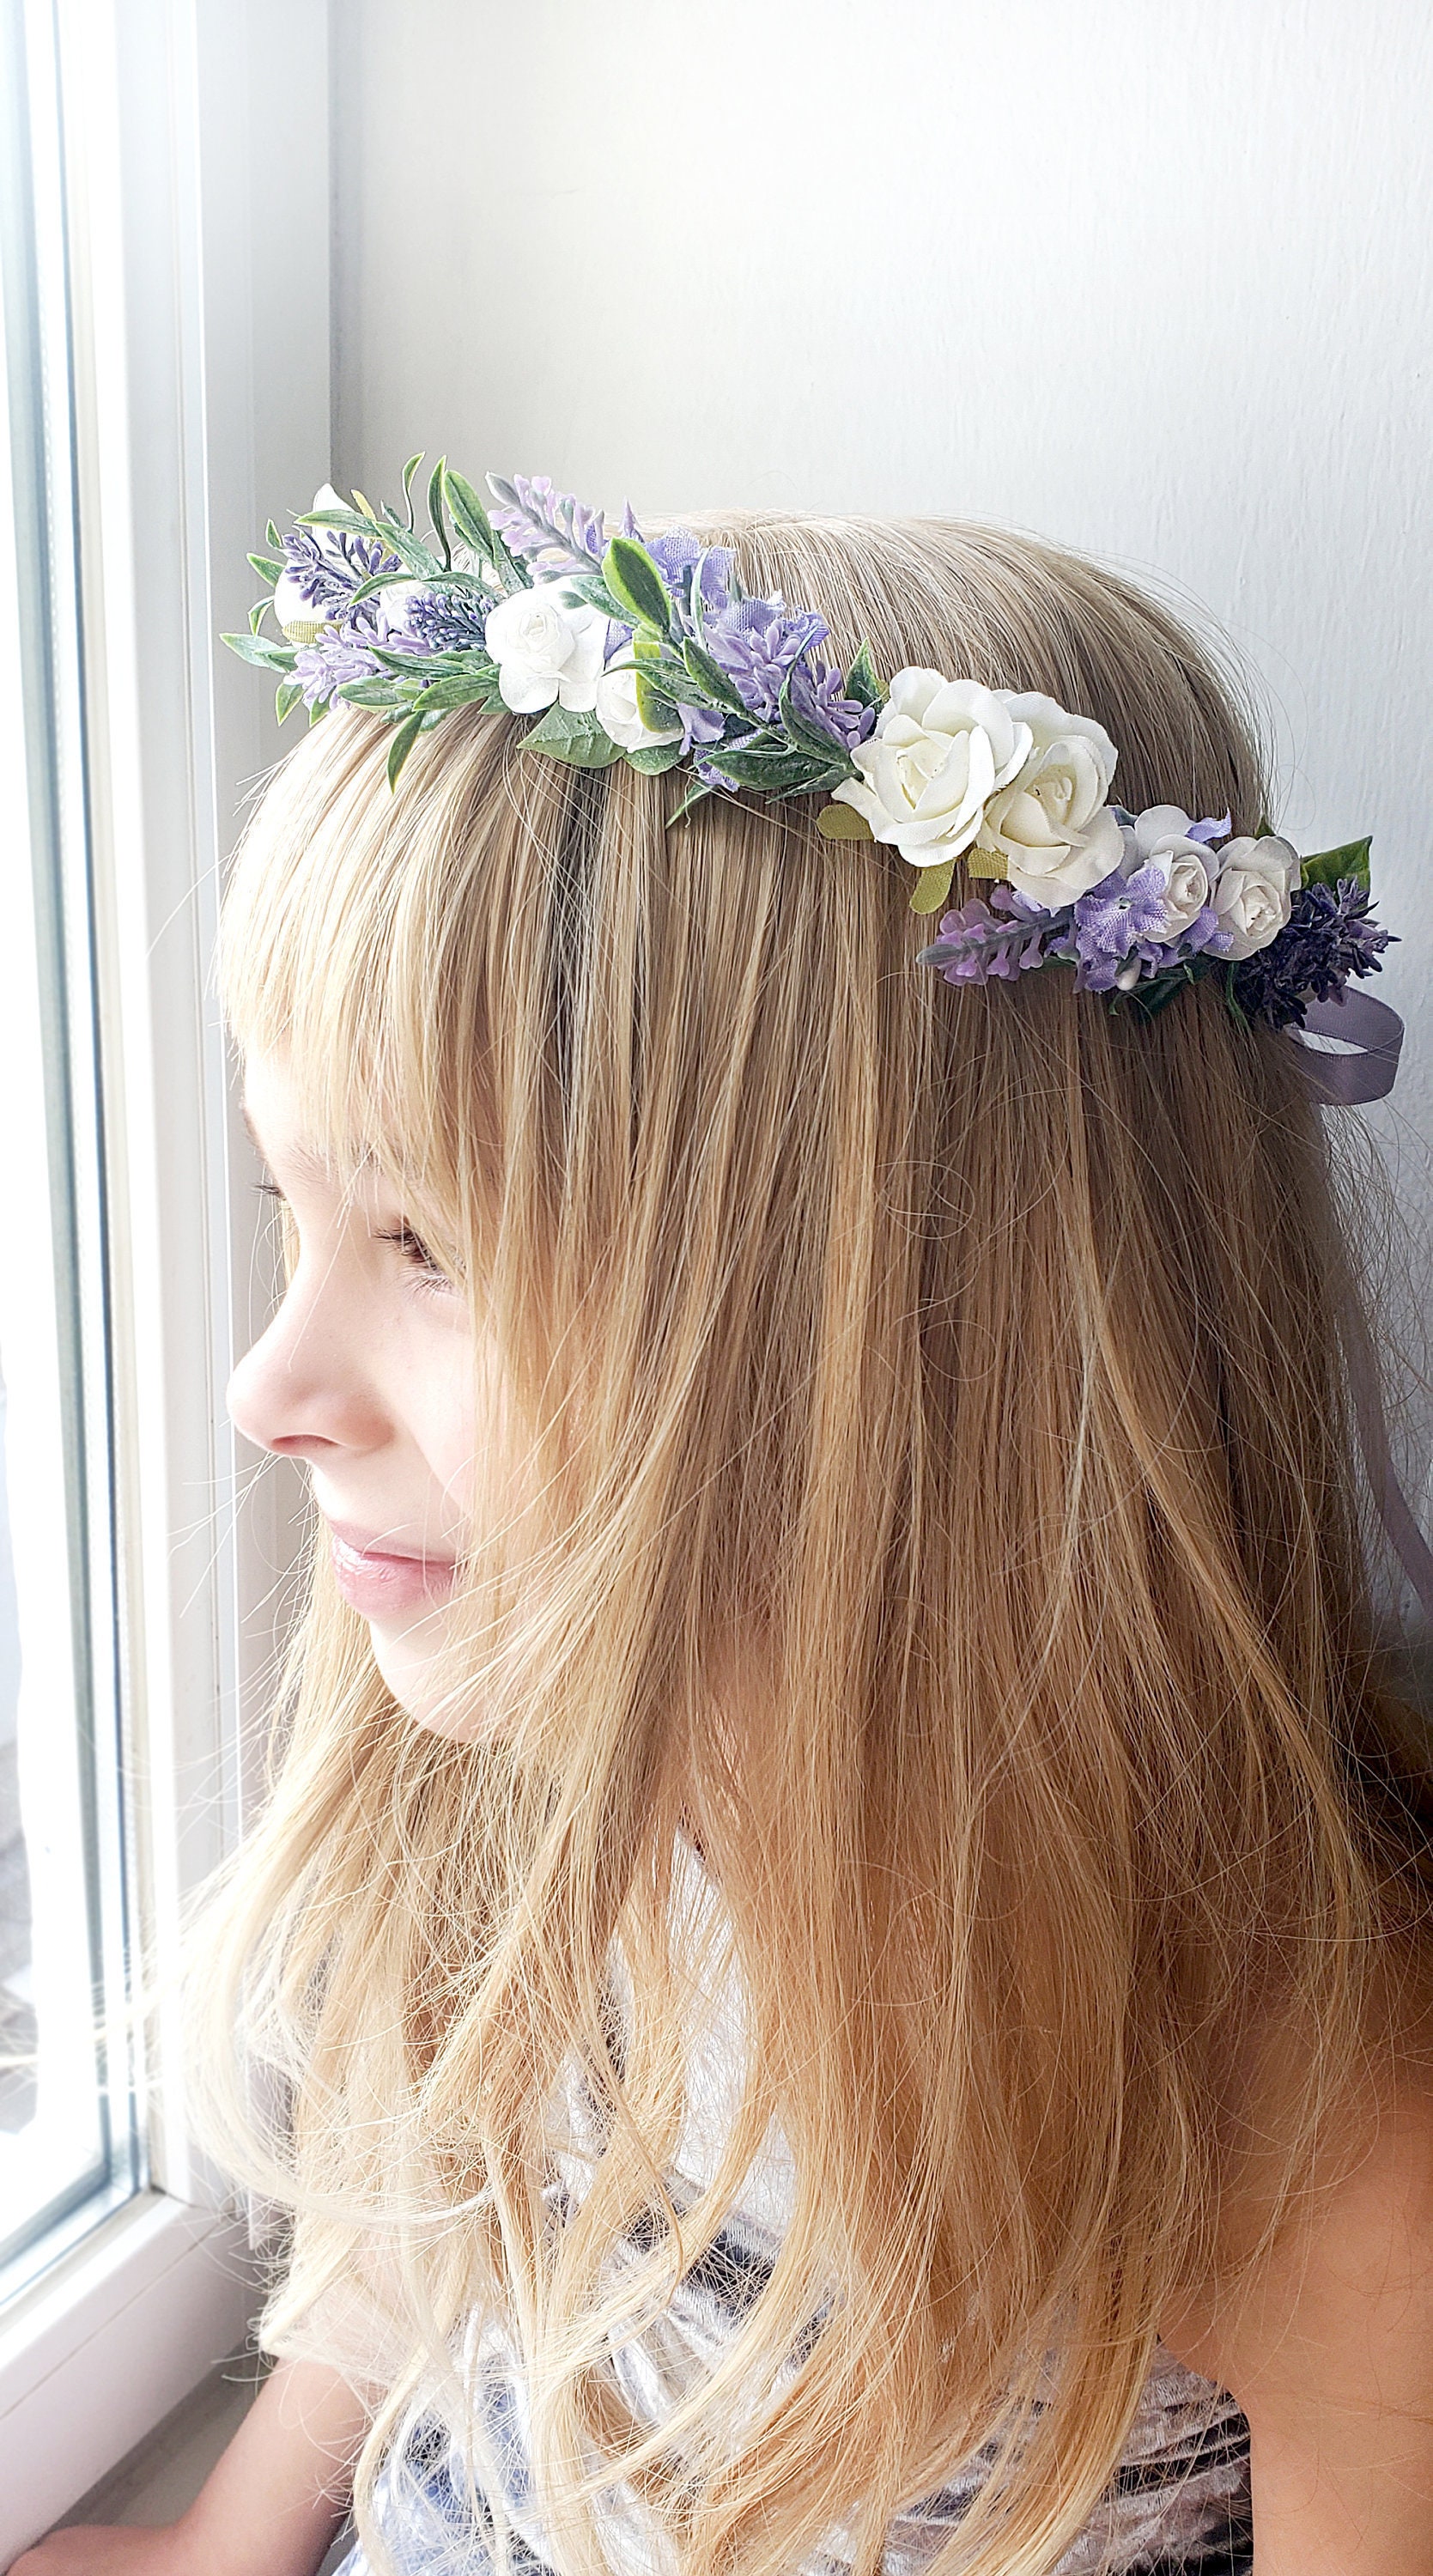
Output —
<point x="654" y="654"/>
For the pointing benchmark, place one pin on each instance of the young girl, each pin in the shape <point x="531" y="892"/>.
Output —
<point x="837" y="1970"/>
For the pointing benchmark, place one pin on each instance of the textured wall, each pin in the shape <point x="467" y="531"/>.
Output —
<point x="1154" y="281"/>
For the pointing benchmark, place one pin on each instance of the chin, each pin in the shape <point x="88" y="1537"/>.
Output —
<point x="413" y="1673"/>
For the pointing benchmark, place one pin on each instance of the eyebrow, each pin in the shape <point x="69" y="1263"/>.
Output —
<point x="303" y="1157"/>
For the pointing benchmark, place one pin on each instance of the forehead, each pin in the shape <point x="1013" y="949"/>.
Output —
<point x="282" y="1128"/>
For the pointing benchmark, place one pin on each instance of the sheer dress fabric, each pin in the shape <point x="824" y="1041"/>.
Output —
<point x="451" y="2505"/>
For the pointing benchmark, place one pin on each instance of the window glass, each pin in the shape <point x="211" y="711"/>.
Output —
<point x="68" y="2140"/>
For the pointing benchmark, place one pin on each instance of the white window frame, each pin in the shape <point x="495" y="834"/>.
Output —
<point x="196" y="178"/>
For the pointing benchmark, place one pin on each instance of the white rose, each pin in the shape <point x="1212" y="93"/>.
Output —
<point x="1050" y="827"/>
<point x="1252" y="891"/>
<point x="939" y="751"/>
<point x="1160" y="838"/>
<point x="546" y="647"/>
<point x="619" y="714"/>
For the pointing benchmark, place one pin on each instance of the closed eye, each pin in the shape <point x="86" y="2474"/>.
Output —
<point x="416" y="1252"/>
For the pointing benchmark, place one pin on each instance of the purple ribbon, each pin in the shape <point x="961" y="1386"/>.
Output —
<point x="1375" y="1033"/>
<point x="1372" y="1030"/>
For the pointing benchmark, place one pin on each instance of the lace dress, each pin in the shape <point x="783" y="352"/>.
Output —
<point x="1178" y="2504"/>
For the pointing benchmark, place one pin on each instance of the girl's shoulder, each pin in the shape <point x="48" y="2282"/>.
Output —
<point x="1326" y="2339"/>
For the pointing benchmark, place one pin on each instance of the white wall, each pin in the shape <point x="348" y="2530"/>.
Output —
<point x="1148" y="276"/>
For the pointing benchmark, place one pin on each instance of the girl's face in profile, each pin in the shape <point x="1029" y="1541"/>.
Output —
<point x="371" y="1374"/>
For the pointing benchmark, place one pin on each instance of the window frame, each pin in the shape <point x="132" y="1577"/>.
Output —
<point x="195" y="179"/>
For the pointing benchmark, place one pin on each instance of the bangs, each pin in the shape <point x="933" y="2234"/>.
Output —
<point x="359" y="931"/>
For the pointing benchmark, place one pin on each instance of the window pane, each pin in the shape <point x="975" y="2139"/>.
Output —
<point x="67" y="2133"/>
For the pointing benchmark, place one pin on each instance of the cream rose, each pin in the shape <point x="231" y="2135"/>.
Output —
<point x="1050" y="827"/>
<point x="1252" y="891"/>
<point x="1160" y="838"/>
<point x="546" y="647"/>
<point x="940" y="749"/>
<point x="619" y="714"/>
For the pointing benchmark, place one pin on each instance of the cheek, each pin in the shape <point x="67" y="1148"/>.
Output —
<point x="460" y="1429"/>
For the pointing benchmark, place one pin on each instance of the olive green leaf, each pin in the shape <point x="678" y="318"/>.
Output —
<point x="1351" y="860"/>
<point x="576" y="738"/>
<point x="633" y="578"/>
<point x="932" y="886"/>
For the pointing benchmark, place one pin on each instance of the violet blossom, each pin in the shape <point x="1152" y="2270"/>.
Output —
<point x="755" y="643"/>
<point x="1328" y="937"/>
<point x="816" y="695"/>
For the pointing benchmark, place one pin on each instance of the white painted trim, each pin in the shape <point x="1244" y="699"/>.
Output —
<point x="105" y="2345"/>
<point x="197" y="194"/>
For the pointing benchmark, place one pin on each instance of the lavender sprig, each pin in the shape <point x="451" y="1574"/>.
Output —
<point x="1327" y="938"/>
<point x="551" y="530"/>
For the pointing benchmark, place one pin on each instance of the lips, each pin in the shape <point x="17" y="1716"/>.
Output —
<point x="386" y="1583"/>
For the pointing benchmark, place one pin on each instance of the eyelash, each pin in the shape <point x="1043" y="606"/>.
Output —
<point x="430" y="1273"/>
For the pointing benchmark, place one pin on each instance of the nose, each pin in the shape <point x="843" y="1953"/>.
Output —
<point x="302" y="1390"/>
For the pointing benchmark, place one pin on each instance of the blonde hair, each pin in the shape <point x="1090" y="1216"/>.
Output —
<point x="933" y="1409"/>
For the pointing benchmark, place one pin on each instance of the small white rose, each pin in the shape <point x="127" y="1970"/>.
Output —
<point x="1050" y="827"/>
<point x="1186" y="889"/>
<point x="546" y="646"/>
<point x="1252" y="891"/>
<point x="1160" y="838"/>
<point x="939" y="751"/>
<point x="619" y="714"/>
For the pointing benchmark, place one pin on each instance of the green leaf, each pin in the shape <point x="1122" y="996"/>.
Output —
<point x="476" y="687"/>
<point x="577" y="739"/>
<point x="258" y="649"/>
<point x="268" y="568"/>
<point x="401" y="745"/>
<point x="1351" y="860"/>
<point x="654" y="757"/>
<point x="274" y="538"/>
<point x="317" y="712"/>
<point x="389" y="695"/>
<point x="592" y="589"/>
<point x="476" y="529"/>
<point x="633" y="578"/>
<point x="861" y="682"/>
<point x="435" y="509"/>
<point x="709" y="675"/>
<point x="775" y="773"/>
<point x="287" y="697"/>
<point x="409" y="470"/>
<point x="654" y="706"/>
<point x="694" y="796"/>
<point x="1149" y="998"/>
<point x="932" y="886"/>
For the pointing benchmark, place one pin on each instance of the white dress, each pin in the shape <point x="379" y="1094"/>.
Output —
<point x="1178" y="2504"/>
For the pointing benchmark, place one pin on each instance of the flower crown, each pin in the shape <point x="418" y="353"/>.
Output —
<point x="655" y="654"/>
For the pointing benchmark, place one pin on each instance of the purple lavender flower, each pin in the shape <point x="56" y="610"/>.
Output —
<point x="717" y="587"/>
<point x="700" y="725"/>
<point x="337" y="656"/>
<point x="676" y="556"/>
<point x="1114" y="917"/>
<point x="328" y="564"/>
<point x="1328" y="937"/>
<point x="816" y="695"/>
<point x="441" y="621"/>
<point x="976" y="944"/>
<point x="755" y="643"/>
<point x="551" y="530"/>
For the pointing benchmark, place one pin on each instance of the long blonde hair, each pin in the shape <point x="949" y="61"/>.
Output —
<point x="933" y="1408"/>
